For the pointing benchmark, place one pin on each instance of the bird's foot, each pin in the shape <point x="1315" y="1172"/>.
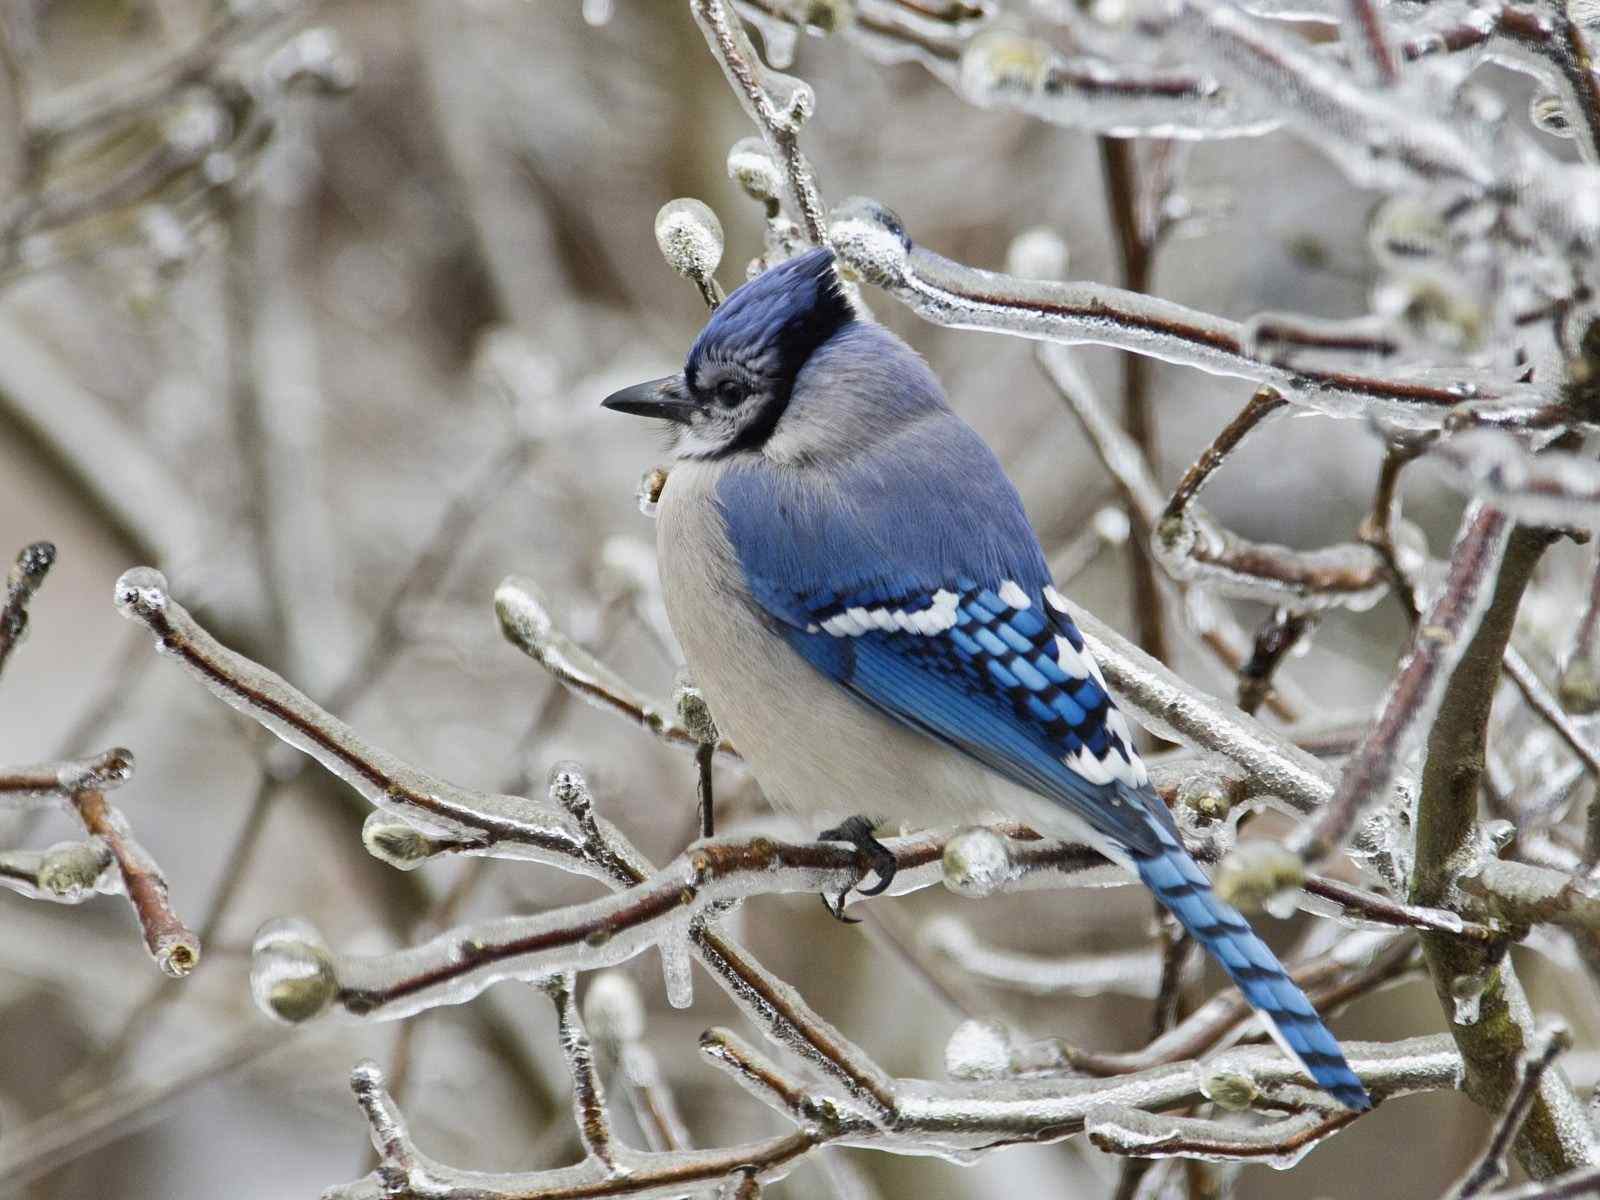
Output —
<point x="876" y="858"/>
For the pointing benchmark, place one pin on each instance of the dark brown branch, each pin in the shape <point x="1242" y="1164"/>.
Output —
<point x="1279" y="635"/>
<point x="1263" y="402"/>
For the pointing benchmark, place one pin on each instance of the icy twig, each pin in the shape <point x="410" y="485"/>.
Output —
<point x="526" y="621"/>
<point x="1415" y="694"/>
<point x="1555" y="488"/>
<point x="1372" y="907"/>
<point x="778" y="104"/>
<point x="1360" y="965"/>
<point x="475" y="822"/>
<point x="175" y="949"/>
<point x="873" y="243"/>
<point x="1279" y="635"/>
<point x="1532" y="895"/>
<point x="695" y="715"/>
<point x="1489" y="1169"/>
<point x="1549" y="709"/>
<point x="990" y="1113"/>
<point x="588" y="1094"/>
<point x="24" y="578"/>
<point x="1378" y="527"/>
<point x="1191" y="546"/>
<point x="1585" y="1183"/>
<point x="460" y="963"/>
<point x="52" y="782"/>
<point x="1132" y="1131"/>
<point x="1264" y="402"/>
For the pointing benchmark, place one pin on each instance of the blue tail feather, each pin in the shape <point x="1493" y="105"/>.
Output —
<point x="1180" y="885"/>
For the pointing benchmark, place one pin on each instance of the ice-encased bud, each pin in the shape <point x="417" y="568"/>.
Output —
<point x="396" y="841"/>
<point x="613" y="1009"/>
<point x="1037" y="253"/>
<point x="871" y="239"/>
<point x="1228" y="1088"/>
<point x="694" y="712"/>
<point x="1254" y="874"/>
<point x="978" y="1050"/>
<point x="291" y="971"/>
<point x="690" y="237"/>
<point x="75" y="869"/>
<point x="570" y="789"/>
<point x="1549" y="113"/>
<point x="651" y="485"/>
<point x="1002" y="61"/>
<point x="752" y="167"/>
<point x="140" y="592"/>
<point x="977" y="862"/>
<point x="100" y="773"/>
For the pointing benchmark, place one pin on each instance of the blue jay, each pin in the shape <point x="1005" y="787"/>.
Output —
<point x="865" y="605"/>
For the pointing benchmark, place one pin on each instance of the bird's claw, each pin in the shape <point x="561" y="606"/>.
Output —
<point x="879" y="860"/>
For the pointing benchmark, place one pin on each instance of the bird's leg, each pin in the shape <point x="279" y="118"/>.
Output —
<point x="874" y="855"/>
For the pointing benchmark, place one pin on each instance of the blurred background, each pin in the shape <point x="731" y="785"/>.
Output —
<point x="312" y="306"/>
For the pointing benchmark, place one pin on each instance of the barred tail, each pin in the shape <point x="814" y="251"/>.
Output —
<point x="1179" y="884"/>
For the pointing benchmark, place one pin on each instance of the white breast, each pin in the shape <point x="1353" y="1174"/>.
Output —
<point x="813" y="748"/>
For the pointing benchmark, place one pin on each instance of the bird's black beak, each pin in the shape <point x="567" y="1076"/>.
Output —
<point x="663" y="399"/>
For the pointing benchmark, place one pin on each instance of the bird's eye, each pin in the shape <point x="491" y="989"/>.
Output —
<point x="728" y="394"/>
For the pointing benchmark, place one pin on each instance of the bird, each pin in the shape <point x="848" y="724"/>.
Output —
<point x="865" y="606"/>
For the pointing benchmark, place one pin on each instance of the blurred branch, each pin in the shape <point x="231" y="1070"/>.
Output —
<point x="1490" y="1169"/>
<point x="26" y="574"/>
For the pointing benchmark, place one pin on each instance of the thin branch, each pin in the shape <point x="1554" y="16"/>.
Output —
<point x="175" y="949"/>
<point x="1489" y="1168"/>
<point x="1264" y="402"/>
<point x="873" y="242"/>
<point x="1277" y="639"/>
<point x="588" y="1094"/>
<point x="24" y="578"/>
<point x="778" y="104"/>
<point x="1368" y="44"/>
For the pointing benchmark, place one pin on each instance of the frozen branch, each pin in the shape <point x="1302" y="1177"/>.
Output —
<point x="873" y="243"/>
<point x="588" y="1095"/>
<point x="778" y="104"/>
<point x="175" y="949"/>
<point x="1534" y="895"/>
<point x="526" y="621"/>
<point x="1489" y="1169"/>
<point x="1281" y="1144"/>
<point x="1368" y="43"/>
<point x="1555" y="488"/>
<point x="22" y="580"/>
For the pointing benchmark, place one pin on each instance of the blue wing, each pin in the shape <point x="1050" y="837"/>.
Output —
<point x="914" y="581"/>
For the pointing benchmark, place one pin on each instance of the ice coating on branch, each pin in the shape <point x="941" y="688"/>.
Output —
<point x="977" y="862"/>
<point x="397" y="841"/>
<point x="65" y="873"/>
<point x="872" y="242"/>
<point x="1004" y="69"/>
<point x="291" y="971"/>
<point x="690" y="237"/>
<point x="1556" y="488"/>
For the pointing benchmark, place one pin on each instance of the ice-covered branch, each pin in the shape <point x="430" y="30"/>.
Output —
<point x="526" y="621"/>
<point x="175" y="949"/>
<point x="1534" y="895"/>
<point x="1556" y="488"/>
<point x="22" y="580"/>
<point x="1490" y="1168"/>
<point x="1281" y="1143"/>
<point x="873" y="242"/>
<point x="778" y="104"/>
